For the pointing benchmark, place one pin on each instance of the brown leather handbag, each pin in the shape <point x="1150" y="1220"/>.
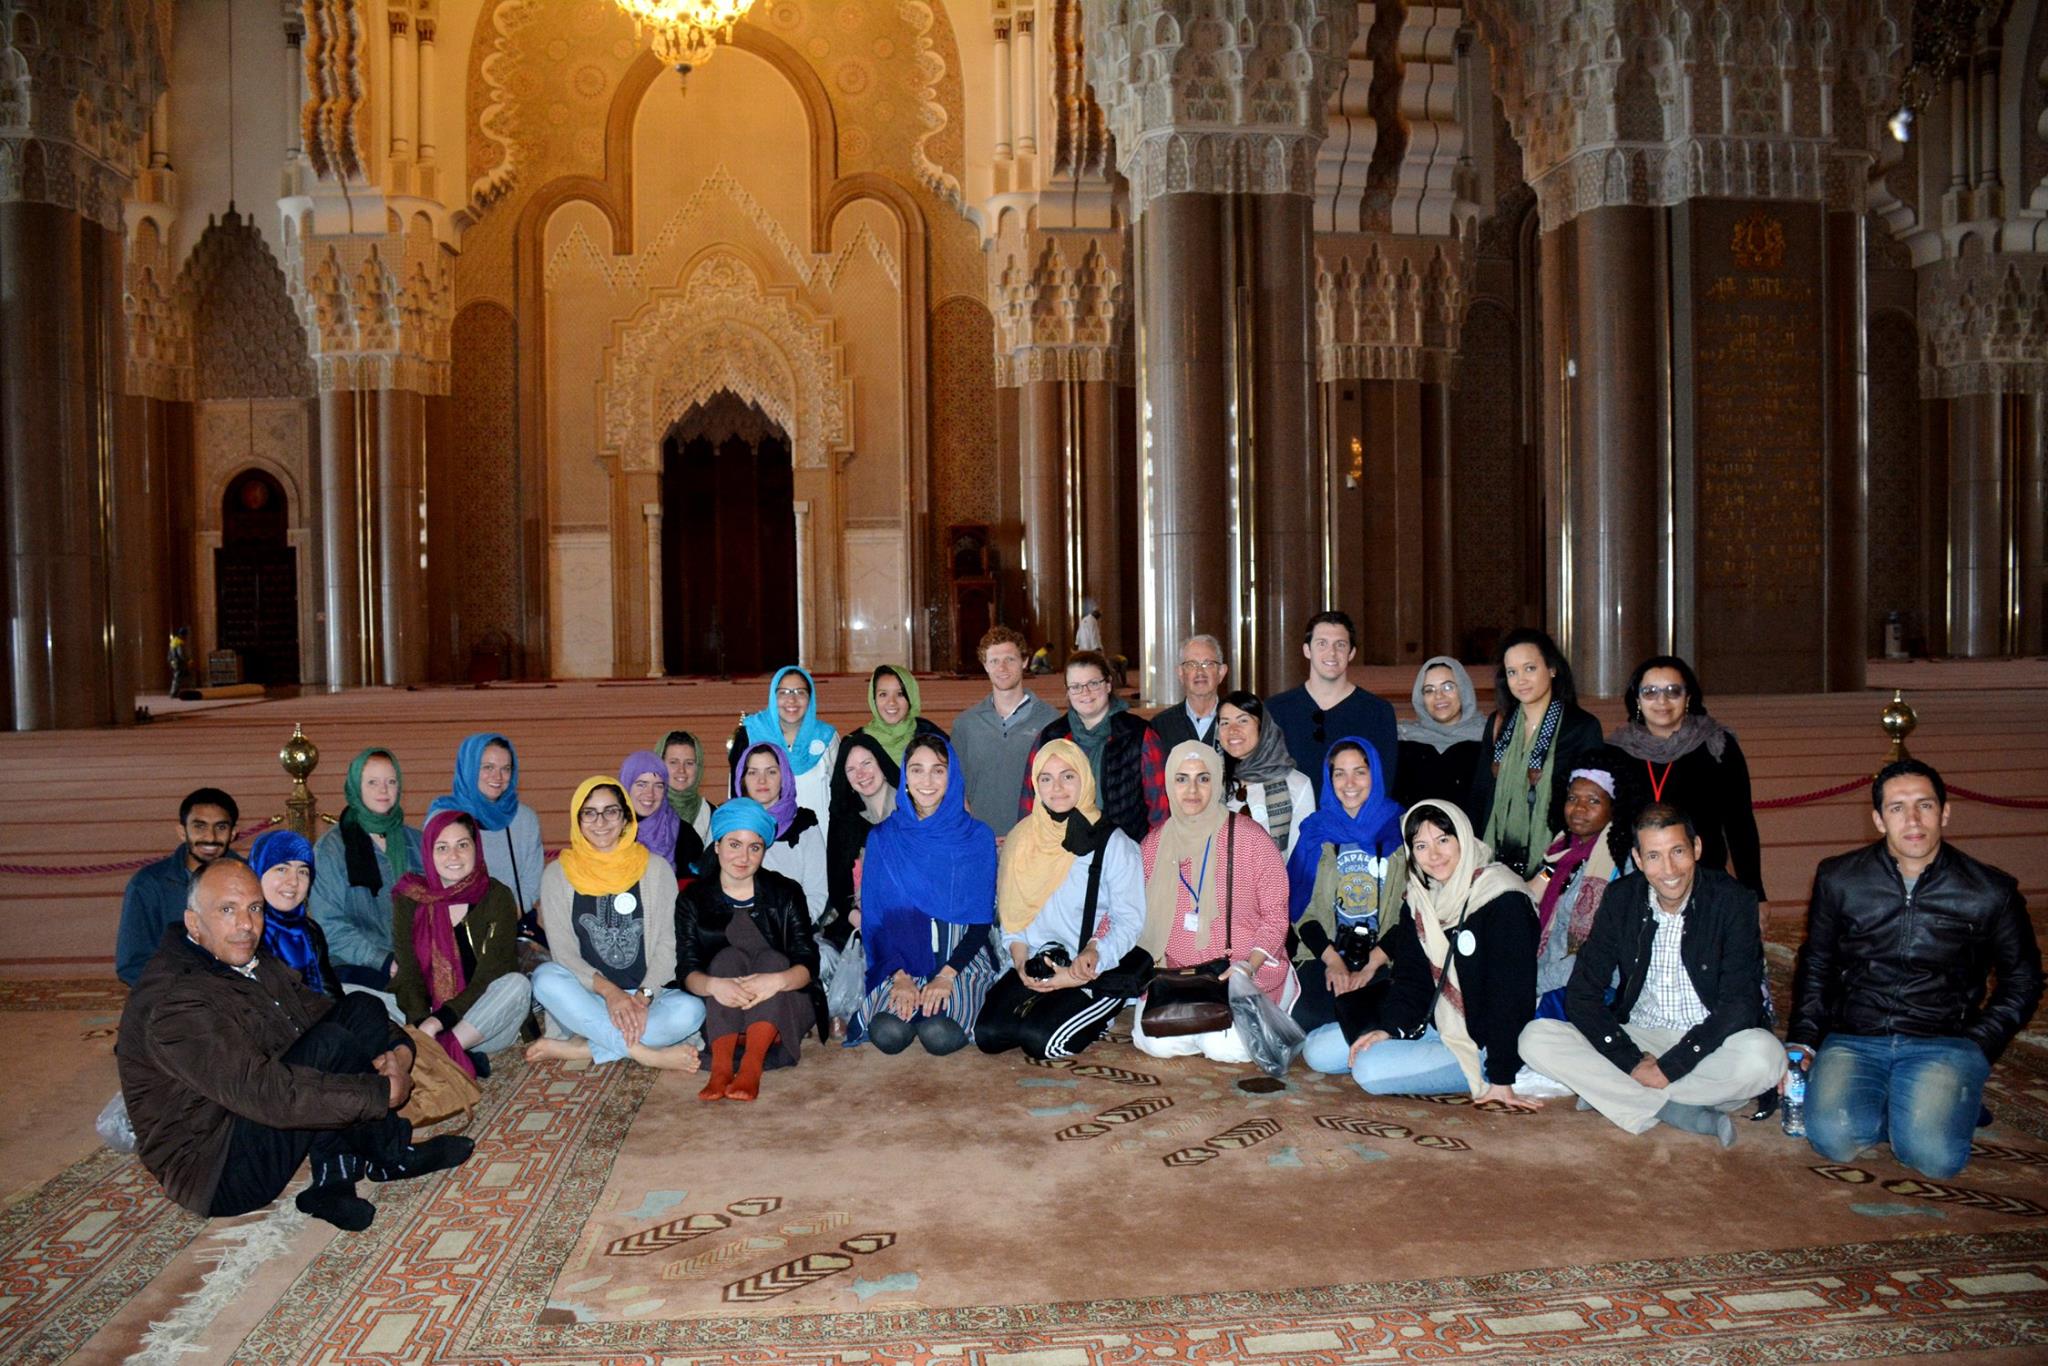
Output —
<point x="440" y="1089"/>
<point x="1196" y="1000"/>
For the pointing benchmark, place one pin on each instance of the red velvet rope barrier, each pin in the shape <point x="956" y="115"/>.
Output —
<point x="1809" y="798"/>
<point x="2016" y="803"/>
<point x="94" y="869"/>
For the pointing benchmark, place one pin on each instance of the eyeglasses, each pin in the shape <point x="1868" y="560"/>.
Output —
<point x="1670" y="692"/>
<point x="601" y="815"/>
<point x="792" y="692"/>
<point x="1436" y="689"/>
<point x="1201" y="666"/>
<point x="1083" y="689"/>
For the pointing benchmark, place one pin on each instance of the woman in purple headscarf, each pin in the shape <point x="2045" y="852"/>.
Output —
<point x="645" y="777"/>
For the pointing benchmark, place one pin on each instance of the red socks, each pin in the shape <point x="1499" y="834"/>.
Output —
<point x="761" y="1037"/>
<point x="720" y="1084"/>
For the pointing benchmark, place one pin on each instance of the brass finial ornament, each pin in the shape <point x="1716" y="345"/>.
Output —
<point x="299" y="758"/>
<point x="1899" y="720"/>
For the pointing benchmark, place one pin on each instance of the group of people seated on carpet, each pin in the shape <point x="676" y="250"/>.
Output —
<point x="1504" y="905"/>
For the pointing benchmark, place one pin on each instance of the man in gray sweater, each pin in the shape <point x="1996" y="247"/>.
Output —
<point x="994" y="736"/>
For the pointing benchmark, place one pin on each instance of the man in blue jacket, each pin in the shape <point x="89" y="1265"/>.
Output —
<point x="1683" y="1039"/>
<point x="155" y="899"/>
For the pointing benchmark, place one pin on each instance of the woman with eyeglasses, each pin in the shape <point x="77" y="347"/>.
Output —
<point x="790" y="720"/>
<point x="744" y="945"/>
<point x="1259" y="775"/>
<point x="608" y="906"/>
<point x="1464" y="976"/>
<point x="1125" y="760"/>
<point x="1440" y="748"/>
<point x="1685" y="758"/>
<point x="1537" y="733"/>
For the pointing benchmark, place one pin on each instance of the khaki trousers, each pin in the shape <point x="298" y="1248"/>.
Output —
<point x="1749" y="1063"/>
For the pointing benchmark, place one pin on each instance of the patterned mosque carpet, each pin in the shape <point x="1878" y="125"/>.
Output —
<point x="991" y="1212"/>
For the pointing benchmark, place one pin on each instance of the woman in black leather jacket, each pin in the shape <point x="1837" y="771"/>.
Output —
<point x="744" y="943"/>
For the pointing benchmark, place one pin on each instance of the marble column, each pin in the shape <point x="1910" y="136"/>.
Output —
<point x="1390" y="536"/>
<point x="2030" y="529"/>
<point x="401" y="544"/>
<point x="1042" y="476"/>
<point x="1439" y="609"/>
<point x="348" y="427"/>
<point x="1105" y="508"/>
<point x="1603" y="283"/>
<point x="1185" y="432"/>
<point x="1846" y="577"/>
<point x="1285" y="553"/>
<point x="1985" y="432"/>
<point x="151" y="558"/>
<point x="67" y="660"/>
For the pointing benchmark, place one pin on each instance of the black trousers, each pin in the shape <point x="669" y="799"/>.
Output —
<point x="261" y="1160"/>
<point x="1358" y="1010"/>
<point x="1049" y="1024"/>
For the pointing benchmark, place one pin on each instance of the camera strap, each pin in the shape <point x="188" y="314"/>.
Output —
<point x="1094" y="890"/>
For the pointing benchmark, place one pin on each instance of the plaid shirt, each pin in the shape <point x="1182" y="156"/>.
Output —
<point x="1151" y="771"/>
<point x="1668" y="1000"/>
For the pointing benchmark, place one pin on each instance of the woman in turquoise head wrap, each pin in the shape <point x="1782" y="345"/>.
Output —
<point x="486" y="789"/>
<point x="791" y="720"/>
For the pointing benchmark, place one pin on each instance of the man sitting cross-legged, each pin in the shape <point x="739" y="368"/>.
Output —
<point x="1683" y="1038"/>
<point x="235" y="1071"/>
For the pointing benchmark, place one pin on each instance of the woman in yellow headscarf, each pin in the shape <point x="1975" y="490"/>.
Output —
<point x="1070" y="899"/>
<point x="610" y="916"/>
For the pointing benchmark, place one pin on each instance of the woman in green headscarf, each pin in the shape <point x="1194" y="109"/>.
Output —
<point x="355" y="865"/>
<point x="894" y="704"/>
<point x="684" y="757"/>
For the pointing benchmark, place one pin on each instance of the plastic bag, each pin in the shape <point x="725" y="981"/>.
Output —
<point x="113" y="1127"/>
<point x="1269" y="1035"/>
<point x="845" y="977"/>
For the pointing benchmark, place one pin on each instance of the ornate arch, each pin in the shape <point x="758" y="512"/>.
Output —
<point x="723" y="330"/>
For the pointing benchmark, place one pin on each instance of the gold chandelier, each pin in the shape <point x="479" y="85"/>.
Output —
<point x="684" y="33"/>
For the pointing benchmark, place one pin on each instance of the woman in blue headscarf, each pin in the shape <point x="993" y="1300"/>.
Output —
<point x="928" y="894"/>
<point x="282" y="861"/>
<point x="1344" y="884"/>
<point x="486" y="789"/>
<point x="791" y="720"/>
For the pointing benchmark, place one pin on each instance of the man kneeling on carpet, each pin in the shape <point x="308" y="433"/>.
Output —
<point x="1683" y="1039"/>
<point x="235" y="1071"/>
<point x="1901" y="936"/>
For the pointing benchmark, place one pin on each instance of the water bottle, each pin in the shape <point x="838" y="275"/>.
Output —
<point x="1793" y="1111"/>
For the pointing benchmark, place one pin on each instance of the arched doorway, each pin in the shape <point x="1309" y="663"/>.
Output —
<point x="256" y="580"/>
<point x="728" y="543"/>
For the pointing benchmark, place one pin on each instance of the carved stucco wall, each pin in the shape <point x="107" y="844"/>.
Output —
<point x="724" y="293"/>
<point x="542" y="77"/>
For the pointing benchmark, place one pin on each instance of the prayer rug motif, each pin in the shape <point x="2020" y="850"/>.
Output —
<point x="62" y="993"/>
<point x="1920" y="1188"/>
<point x="1129" y="1113"/>
<point x="807" y="1270"/>
<point x="79" y="1249"/>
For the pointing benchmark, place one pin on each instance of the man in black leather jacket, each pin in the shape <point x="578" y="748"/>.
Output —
<point x="1900" y="938"/>
<point x="1684" y="1037"/>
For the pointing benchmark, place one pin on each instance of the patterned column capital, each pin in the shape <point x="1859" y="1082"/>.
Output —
<point x="1653" y="102"/>
<point x="1985" y="321"/>
<point x="1061" y="305"/>
<point x="1389" y="307"/>
<point x="77" y="81"/>
<point x="1217" y="96"/>
<point x="377" y="309"/>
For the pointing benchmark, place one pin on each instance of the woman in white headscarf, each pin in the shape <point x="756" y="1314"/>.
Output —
<point x="1464" y="975"/>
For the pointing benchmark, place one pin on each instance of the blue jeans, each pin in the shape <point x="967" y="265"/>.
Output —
<point x="1391" y="1067"/>
<point x="1922" y="1094"/>
<point x="672" y="1015"/>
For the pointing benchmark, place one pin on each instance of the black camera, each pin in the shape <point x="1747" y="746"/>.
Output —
<point x="1354" y="943"/>
<point x="1048" y="961"/>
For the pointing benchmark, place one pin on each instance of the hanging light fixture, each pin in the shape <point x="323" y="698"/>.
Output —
<point x="684" y="33"/>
